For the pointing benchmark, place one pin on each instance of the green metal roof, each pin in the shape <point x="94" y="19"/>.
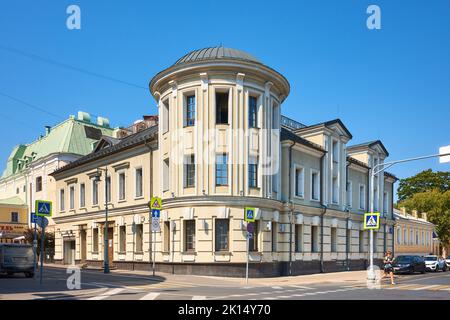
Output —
<point x="71" y="136"/>
<point x="14" y="201"/>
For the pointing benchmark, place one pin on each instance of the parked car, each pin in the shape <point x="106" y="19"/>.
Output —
<point x="447" y="262"/>
<point x="16" y="258"/>
<point x="435" y="263"/>
<point x="408" y="264"/>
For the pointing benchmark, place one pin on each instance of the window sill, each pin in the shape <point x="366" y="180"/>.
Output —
<point x="94" y="252"/>
<point x="255" y="188"/>
<point x="315" y="200"/>
<point x="139" y="198"/>
<point x="189" y="126"/>
<point x="139" y="252"/>
<point x="222" y="185"/>
<point x="222" y="253"/>
<point x="299" y="197"/>
<point x="122" y="201"/>
<point x="122" y="253"/>
<point x="189" y="253"/>
<point x="83" y="208"/>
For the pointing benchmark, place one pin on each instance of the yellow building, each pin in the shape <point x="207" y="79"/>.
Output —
<point x="413" y="234"/>
<point x="13" y="219"/>
<point x="222" y="145"/>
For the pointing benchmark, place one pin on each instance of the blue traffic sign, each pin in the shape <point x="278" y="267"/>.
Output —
<point x="43" y="208"/>
<point x="156" y="213"/>
<point x="33" y="217"/>
<point x="372" y="221"/>
<point x="42" y="222"/>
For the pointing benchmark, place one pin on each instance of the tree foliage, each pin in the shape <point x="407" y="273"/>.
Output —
<point x="437" y="206"/>
<point x="49" y="241"/>
<point x="424" y="181"/>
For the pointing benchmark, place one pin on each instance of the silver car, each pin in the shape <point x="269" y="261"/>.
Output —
<point x="16" y="258"/>
<point x="435" y="263"/>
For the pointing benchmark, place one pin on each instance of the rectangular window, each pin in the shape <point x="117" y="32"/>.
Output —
<point x="62" y="198"/>
<point x="405" y="234"/>
<point x="166" y="175"/>
<point x="375" y="198"/>
<point x="253" y="241"/>
<point x="298" y="238"/>
<point x="38" y="184"/>
<point x="108" y="189"/>
<point x="253" y="172"/>
<point x="71" y="197"/>
<point x="221" y="169"/>
<point x="333" y="239"/>
<point x="399" y="232"/>
<point x="189" y="171"/>
<point x="385" y="202"/>
<point x="411" y="237"/>
<point x="122" y="186"/>
<point x="362" y="197"/>
<point x="299" y="182"/>
<point x="190" y="111"/>
<point x="14" y="217"/>
<point x="423" y="238"/>
<point x="82" y="195"/>
<point x="222" y="227"/>
<point x="165" y="116"/>
<point x="166" y="236"/>
<point x="139" y="237"/>
<point x="138" y="187"/>
<point x="123" y="239"/>
<point x="335" y="190"/>
<point x="274" y="236"/>
<point x="349" y="194"/>
<point x="375" y="241"/>
<point x="94" y="193"/>
<point x="315" y="186"/>
<point x="348" y="238"/>
<point x="361" y="241"/>
<point x="189" y="235"/>
<point x="335" y="151"/>
<point x="95" y="240"/>
<point x="221" y="107"/>
<point x="314" y="239"/>
<point x="252" y="112"/>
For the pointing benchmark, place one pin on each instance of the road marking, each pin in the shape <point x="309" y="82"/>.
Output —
<point x="300" y="287"/>
<point x="283" y="297"/>
<point x="426" y="287"/>
<point x="198" y="298"/>
<point x="440" y="287"/>
<point x="269" y="298"/>
<point x="277" y="287"/>
<point x="150" y="296"/>
<point x="107" y="294"/>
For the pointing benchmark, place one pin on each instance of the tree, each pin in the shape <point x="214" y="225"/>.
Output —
<point x="424" y="181"/>
<point x="49" y="241"/>
<point x="437" y="206"/>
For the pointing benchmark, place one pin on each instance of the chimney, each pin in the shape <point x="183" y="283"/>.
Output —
<point x="403" y="211"/>
<point x="47" y="130"/>
<point x="414" y="213"/>
<point x="424" y="216"/>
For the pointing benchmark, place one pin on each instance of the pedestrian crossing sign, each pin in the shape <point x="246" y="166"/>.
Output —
<point x="155" y="203"/>
<point x="249" y="214"/>
<point x="372" y="221"/>
<point x="43" y="208"/>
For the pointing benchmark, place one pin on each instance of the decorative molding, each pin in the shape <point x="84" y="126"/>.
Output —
<point x="204" y="80"/>
<point x="120" y="166"/>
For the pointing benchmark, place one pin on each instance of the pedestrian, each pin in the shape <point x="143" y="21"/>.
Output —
<point x="388" y="268"/>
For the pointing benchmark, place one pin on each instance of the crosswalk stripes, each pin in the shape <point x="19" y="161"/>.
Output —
<point x="198" y="298"/>
<point x="426" y="287"/>
<point x="150" y="296"/>
<point x="418" y="287"/>
<point x="107" y="294"/>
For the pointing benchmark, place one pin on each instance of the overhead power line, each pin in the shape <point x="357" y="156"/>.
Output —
<point x="70" y="67"/>
<point x="32" y="106"/>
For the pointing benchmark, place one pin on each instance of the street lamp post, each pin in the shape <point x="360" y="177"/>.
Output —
<point x="373" y="172"/>
<point x="105" y="234"/>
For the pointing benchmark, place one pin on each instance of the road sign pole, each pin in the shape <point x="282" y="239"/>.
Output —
<point x="35" y="248"/>
<point x="371" y="275"/>
<point x="246" y="267"/>
<point x="42" y="252"/>
<point x="154" y="251"/>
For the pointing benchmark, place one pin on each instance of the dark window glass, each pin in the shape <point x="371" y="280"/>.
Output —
<point x="189" y="169"/>
<point x="221" y="234"/>
<point x="189" y="232"/>
<point x="252" y="112"/>
<point x="222" y="107"/>
<point x="253" y="241"/>
<point x="38" y="184"/>
<point x="190" y="111"/>
<point x="253" y="175"/>
<point x="221" y="169"/>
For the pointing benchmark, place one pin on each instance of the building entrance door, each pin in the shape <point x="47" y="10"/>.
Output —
<point x="69" y="252"/>
<point x="110" y="245"/>
<point x="83" y="245"/>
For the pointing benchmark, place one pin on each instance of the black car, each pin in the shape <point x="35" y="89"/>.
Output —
<point x="409" y="264"/>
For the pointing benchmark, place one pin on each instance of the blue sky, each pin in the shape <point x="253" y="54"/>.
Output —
<point x="390" y="84"/>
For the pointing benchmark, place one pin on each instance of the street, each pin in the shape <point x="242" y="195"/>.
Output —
<point x="121" y="285"/>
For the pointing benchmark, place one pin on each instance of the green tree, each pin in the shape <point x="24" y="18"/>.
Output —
<point x="437" y="206"/>
<point x="49" y="241"/>
<point x="424" y="181"/>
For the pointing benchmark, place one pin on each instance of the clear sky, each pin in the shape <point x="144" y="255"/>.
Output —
<point x="391" y="84"/>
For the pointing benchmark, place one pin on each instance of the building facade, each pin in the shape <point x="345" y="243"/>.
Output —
<point x="413" y="234"/>
<point x="13" y="219"/>
<point x="221" y="144"/>
<point x="26" y="175"/>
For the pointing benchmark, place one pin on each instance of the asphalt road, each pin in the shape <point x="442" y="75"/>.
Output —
<point x="128" y="286"/>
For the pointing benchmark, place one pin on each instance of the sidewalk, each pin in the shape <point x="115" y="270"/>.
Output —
<point x="350" y="277"/>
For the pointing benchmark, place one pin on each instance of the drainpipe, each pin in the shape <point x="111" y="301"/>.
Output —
<point x="150" y="242"/>
<point x="347" y="240"/>
<point x="290" y="208"/>
<point x="324" y="211"/>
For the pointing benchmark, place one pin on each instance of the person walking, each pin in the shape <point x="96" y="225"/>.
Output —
<point x="388" y="268"/>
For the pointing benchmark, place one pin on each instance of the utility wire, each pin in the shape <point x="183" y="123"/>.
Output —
<point x="70" y="67"/>
<point x="32" y="106"/>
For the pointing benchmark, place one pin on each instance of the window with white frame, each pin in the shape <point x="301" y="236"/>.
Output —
<point x="253" y="172"/>
<point x="14" y="217"/>
<point x="165" y="115"/>
<point x="335" y="151"/>
<point x="361" y="241"/>
<point x="333" y="239"/>
<point x="166" y="174"/>
<point x="138" y="182"/>
<point x="335" y="190"/>
<point x="299" y="182"/>
<point x="315" y="185"/>
<point x="314" y="239"/>
<point x="385" y="202"/>
<point x="189" y="117"/>
<point x="108" y="189"/>
<point x="72" y="197"/>
<point x="189" y="171"/>
<point x="405" y="235"/>
<point x="298" y="238"/>
<point x="221" y="169"/>
<point x="222" y="107"/>
<point x="399" y="232"/>
<point x="82" y="195"/>
<point x="122" y="186"/>
<point x="62" y="198"/>
<point x="94" y="193"/>
<point x="349" y="194"/>
<point x="252" y="112"/>
<point x="362" y="196"/>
